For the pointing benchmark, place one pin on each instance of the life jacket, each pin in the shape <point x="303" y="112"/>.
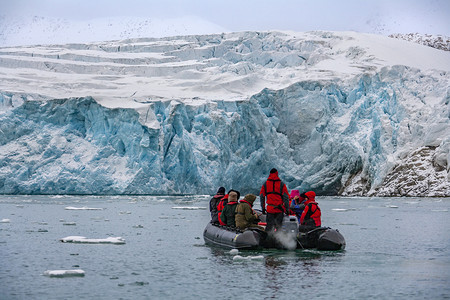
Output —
<point x="311" y="214"/>
<point x="273" y="189"/>
<point x="220" y="207"/>
<point x="249" y="204"/>
<point x="228" y="213"/>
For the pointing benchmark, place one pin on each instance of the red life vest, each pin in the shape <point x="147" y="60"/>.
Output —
<point x="220" y="207"/>
<point x="311" y="214"/>
<point x="274" y="189"/>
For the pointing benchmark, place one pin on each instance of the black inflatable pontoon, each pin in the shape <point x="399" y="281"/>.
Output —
<point x="321" y="238"/>
<point x="232" y="238"/>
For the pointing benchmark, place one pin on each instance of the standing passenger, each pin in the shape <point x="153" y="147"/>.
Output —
<point x="277" y="200"/>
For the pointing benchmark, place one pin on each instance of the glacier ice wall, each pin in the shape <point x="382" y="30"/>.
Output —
<point x="331" y="136"/>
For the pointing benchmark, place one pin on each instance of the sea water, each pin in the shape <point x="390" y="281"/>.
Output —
<point x="397" y="248"/>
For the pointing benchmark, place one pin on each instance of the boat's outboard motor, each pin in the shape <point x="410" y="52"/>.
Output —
<point x="290" y="225"/>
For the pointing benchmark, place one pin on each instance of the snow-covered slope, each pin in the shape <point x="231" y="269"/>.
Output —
<point x="336" y="112"/>
<point x="33" y="30"/>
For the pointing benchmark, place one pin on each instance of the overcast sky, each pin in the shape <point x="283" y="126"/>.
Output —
<point x="382" y="16"/>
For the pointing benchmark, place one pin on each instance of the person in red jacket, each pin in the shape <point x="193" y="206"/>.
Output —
<point x="277" y="200"/>
<point x="220" y="208"/>
<point x="311" y="214"/>
<point x="214" y="202"/>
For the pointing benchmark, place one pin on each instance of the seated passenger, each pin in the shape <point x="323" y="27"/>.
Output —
<point x="310" y="217"/>
<point x="213" y="204"/>
<point x="245" y="216"/>
<point x="297" y="203"/>
<point x="228" y="212"/>
<point x="220" y="208"/>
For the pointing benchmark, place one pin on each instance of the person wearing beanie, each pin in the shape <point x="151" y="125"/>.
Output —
<point x="297" y="203"/>
<point x="228" y="212"/>
<point x="245" y="216"/>
<point x="311" y="214"/>
<point x="277" y="200"/>
<point x="213" y="204"/>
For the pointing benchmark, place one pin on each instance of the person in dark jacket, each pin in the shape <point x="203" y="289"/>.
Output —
<point x="229" y="210"/>
<point x="311" y="215"/>
<point x="277" y="200"/>
<point x="213" y="204"/>
<point x="245" y="216"/>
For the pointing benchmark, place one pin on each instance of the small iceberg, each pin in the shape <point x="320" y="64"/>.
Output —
<point x="64" y="273"/>
<point x="69" y="223"/>
<point x="188" y="207"/>
<point x="392" y="206"/>
<point x="84" y="240"/>
<point x="339" y="209"/>
<point x="241" y="258"/>
<point x="234" y="251"/>
<point x="82" y="208"/>
<point x="5" y="221"/>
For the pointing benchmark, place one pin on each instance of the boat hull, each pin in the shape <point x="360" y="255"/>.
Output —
<point x="233" y="239"/>
<point x="321" y="238"/>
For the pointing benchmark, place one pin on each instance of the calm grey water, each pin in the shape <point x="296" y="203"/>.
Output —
<point x="397" y="248"/>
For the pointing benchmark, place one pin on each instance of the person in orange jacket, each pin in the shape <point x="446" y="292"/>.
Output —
<point x="311" y="214"/>
<point x="277" y="200"/>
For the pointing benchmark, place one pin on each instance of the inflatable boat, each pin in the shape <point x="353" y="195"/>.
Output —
<point x="293" y="236"/>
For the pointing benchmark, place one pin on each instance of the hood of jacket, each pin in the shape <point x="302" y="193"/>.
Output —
<point x="273" y="176"/>
<point x="310" y="196"/>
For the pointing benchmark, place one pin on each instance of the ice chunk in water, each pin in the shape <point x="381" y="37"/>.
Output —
<point x="64" y="273"/>
<point x="84" y="240"/>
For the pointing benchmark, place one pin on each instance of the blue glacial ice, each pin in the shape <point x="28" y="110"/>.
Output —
<point x="319" y="135"/>
<point x="333" y="136"/>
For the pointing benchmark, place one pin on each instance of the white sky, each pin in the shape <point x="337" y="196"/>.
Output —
<point x="381" y="16"/>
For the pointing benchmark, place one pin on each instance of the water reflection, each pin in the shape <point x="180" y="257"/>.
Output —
<point x="281" y="272"/>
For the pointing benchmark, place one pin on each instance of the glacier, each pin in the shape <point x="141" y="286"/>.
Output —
<point x="339" y="113"/>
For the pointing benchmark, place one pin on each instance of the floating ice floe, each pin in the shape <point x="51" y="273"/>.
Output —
<point x="239" y="257"/>
<point x="64" y="273"/>
<point x="188" y="207"/>
<point x="69" y="223"/>
<point x="234" y="251"/>
<point x="343" y="209"/>
<point x="5" y="221"/>
<point x="82" y="208"/>
<point x="440" y="210"/>
<point x="84" y="240"/>
<point x="392" y="206"/>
